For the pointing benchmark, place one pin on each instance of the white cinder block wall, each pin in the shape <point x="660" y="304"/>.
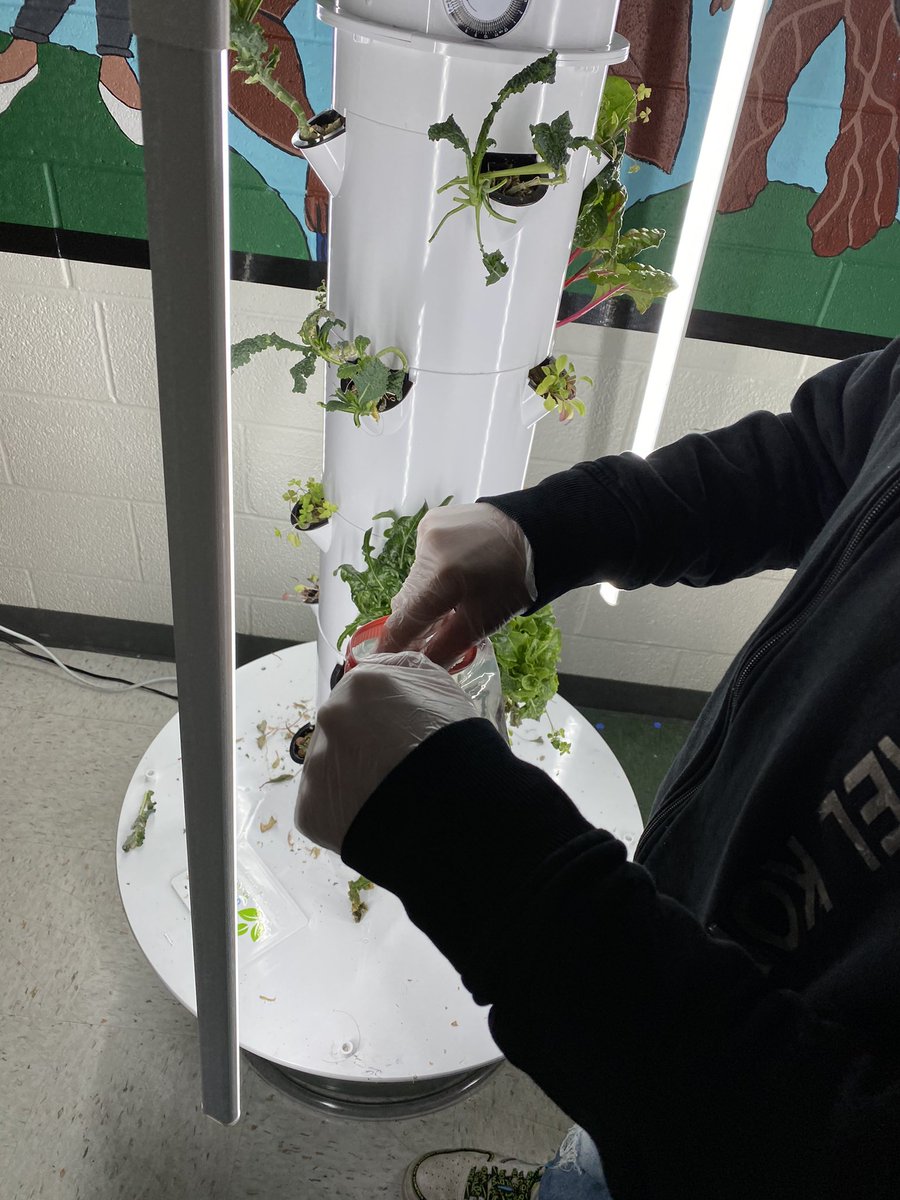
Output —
<point x="82" y="518"/>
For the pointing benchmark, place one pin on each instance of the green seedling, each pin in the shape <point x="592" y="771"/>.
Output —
<point x="312" y="507"/>
<point x="557" y="383"/>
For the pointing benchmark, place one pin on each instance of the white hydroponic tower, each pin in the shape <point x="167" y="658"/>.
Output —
<point x="465" y="428"/>
<point x="364" y="1020"/>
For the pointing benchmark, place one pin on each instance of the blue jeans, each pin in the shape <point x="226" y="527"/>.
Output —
<point x="576" y="1173"/>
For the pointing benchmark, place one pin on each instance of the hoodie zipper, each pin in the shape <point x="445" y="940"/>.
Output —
<point x="679" y="799"/>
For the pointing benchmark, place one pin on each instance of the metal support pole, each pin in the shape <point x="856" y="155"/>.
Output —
<point x="184" y="94"/>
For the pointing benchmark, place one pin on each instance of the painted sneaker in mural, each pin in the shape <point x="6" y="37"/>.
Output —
<point x="121" y="93"/>
<point x="18" y="68"/>
<point x="470" y="1175"/>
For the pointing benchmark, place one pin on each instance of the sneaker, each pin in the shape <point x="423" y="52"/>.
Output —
<point x="470" y="1175"/>
<point x="11" y="88"/>
<point x="128" y="119"/>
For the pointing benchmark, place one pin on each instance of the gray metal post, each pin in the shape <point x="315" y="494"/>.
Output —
<point x="184" y="94"/>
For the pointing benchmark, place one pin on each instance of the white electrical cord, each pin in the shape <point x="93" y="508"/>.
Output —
<point x="100" y="687"/>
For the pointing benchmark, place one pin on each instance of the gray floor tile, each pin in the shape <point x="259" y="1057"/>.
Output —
<point x="288" y="1152"/>
<point x="99" y="1089"/>
<point x="69" y="952"/>
<point x="62" y="778"/>
<point x="114" y="1115"/>
<point x="45" y="686"/>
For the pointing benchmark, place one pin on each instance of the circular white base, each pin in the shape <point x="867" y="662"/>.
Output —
<point x="373" y="1101"/>
<point x="319" y="994"/>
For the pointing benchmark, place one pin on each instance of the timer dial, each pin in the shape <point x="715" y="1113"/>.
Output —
<point x="485" y="19"/>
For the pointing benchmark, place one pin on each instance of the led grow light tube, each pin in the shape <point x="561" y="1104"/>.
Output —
<point x="744" y="28"/>
<point x="183" y="71"/>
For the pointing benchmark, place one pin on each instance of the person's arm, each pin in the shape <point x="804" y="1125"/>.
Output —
<point x="695" y="1077"/>
<point x="710" y="507"/>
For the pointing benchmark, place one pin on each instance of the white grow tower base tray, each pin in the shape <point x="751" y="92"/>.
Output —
<point x="365" y="1020"/>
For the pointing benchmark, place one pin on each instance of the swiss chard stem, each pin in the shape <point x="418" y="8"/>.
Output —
<point x="582" y="274"/>
<point x="589" y="306"/>
<point x="584" y="270"/>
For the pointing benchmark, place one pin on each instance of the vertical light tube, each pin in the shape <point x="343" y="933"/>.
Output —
<point x="184" y="96"/>
<point x="744" y="27"/>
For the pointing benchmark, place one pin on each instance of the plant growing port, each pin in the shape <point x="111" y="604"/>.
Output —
<point x="253" y="58"/>
<point x="603" y="255"/>
<point x="555" y="380"/>
<point x="369" y="385"/>
<point x="479" y="189"/>
<point x="309" y="507"/>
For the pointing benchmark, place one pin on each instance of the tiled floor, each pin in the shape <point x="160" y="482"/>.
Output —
<point x="98" y="1064"/>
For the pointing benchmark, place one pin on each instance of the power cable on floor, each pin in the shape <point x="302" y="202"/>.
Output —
<point x="12" y="638"/>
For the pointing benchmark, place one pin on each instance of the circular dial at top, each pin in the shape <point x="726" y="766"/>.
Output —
<point x="485" y="18"/>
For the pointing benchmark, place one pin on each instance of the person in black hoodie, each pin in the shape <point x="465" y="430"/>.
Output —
<point x="722" y="1018"/>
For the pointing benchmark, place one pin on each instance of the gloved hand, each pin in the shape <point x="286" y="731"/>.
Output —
<point x="473" y="571"/>
<point x="374" y="718"/>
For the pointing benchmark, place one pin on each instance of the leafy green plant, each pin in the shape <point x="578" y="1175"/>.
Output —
<point x="139" y="826"/>
<point x="306" y="593"/>
<point x="603" y="254"/>
<point x="311" y="505"/>
<point x="373" y="588"/>
<point x="557" y="739"/>
<point x="478" y="188"/>
<point x="557" y="382"/>
<point x="527" y="648"/>
<point x="370" y="385"/>
<point x="254" y="59"/>
<point x="249" y="922"/>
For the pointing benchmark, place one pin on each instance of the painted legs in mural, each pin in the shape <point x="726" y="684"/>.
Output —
<point x="119" y="89"/>
<point x="860" y="196"/>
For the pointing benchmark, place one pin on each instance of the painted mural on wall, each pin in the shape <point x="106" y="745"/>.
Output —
<point x="807" y="230"/>
<point x="70" y="126"/>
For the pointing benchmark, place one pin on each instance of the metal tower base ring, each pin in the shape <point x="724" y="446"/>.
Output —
<point x="360" y="1101"/>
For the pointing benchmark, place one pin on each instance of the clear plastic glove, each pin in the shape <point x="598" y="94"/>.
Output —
<point x="374" y="718"/>
<point x="473" y="571"/>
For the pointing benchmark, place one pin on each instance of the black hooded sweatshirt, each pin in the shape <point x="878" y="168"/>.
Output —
<point x="723" y="1014"/>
